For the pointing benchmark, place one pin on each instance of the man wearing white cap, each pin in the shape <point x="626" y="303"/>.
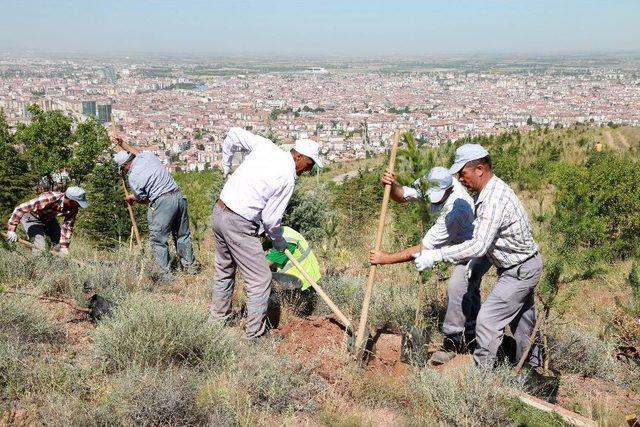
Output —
<point x="502" y="232"/>
<point x="454" y="225"/>
<point x="259" y="190"/>
<point x="152" y="184"/>
<point x="38" y="218"/>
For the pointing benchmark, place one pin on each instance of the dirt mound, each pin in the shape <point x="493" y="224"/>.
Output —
<point x="323" y="341"/>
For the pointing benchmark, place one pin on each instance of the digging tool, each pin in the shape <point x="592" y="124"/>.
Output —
<point x="334" y="308"/>
<point x="527" y="349"/>
<point x="362" y="325"/>
<point x="134" y="224"/>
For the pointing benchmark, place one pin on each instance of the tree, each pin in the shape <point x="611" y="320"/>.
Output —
<point x="15" y="177"/>
<point x="106" y="220"/>
<point x="90" y="140"/>
<point x="47" y="141"/>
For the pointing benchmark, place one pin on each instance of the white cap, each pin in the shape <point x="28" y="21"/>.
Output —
<point x="311" y="149"/>
<point x="440" y="181"/>
<point x="78" y="195"/>
<point x="121" y="157"/>
<point x="466" y="153"/>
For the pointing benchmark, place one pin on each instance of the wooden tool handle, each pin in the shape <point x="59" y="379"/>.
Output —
<point x="134" y="224"/>
<point x="372" y="270"/>
<point x="346" y="322"/>
<point x="30" y="245"/>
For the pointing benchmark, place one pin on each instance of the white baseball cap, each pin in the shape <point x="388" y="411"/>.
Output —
<point x="78" y="195"/>
<point x="311" y="149"/>
<point x="466" y="153"/>
<point x="121" y="157"/>
<point x="440" y="180"/>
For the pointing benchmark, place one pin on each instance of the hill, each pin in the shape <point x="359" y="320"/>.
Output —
<point x="158" y="361"/>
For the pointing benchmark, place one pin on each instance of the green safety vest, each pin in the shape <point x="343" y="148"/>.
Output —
<point x="304" y="255"/>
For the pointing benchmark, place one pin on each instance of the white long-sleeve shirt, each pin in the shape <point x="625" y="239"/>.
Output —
<point x="501" y="230"/>
<point x="454" y="224"/>
<point x="260" y="188"/>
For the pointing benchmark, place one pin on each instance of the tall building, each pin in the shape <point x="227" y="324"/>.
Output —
<point x="104" y="113"/>
<point x="89" y="108"/>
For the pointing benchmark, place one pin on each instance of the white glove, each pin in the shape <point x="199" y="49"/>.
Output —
<point x="12" y="236"/>
<point x="226" y="170"/>
<point x="470" y="266"/>
<point x="426" y="260"/>
<point x="280" y="244"/>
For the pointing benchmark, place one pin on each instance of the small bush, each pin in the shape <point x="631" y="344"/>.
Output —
<point x="152" y="397"/>
<point x="147" y="332"/>
<point x="274" y="382"/>
<point x="582" y="353"/>
<point x="473" y="397"/>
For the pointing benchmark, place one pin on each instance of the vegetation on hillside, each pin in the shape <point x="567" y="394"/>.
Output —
<point x="158" y="361"/>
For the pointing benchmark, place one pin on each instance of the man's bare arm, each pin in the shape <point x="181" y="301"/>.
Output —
<point x="397" y="192"/>
<point x="127" y="147"/>
<point x="379" y="257"/>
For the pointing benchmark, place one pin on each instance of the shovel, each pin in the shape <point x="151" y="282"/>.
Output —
<point x="334" y="308"/>
<point x="362" y="324"/>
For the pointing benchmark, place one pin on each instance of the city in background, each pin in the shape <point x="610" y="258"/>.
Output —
<point x="181" y="109"/>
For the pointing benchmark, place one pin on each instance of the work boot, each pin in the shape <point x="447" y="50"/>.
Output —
<point x="451" y="345"/>
<point x="193" y="268"/>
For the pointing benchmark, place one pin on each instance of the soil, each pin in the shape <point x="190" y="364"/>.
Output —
<point x="323" y="342"/>
<point x="578" y="392"/>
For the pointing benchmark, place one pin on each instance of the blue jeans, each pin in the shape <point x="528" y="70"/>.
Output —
<point x="168" y="214"/>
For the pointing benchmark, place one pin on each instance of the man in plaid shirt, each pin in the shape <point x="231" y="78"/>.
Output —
<point x="38" y="217"/>
<point x="502" y="233"/>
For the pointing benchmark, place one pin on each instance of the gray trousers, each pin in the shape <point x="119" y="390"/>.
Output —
<point x="38" y="230"/>
<point x="463" y="300"/>
<point x="238" y="247"/>
<point x="511" y="302"/>
<point x="168" y="214"/>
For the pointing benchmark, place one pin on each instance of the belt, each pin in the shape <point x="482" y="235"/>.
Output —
<point x="223" y="206"/>
<point x="175" y="190"/>
<point x="535" y="254"/>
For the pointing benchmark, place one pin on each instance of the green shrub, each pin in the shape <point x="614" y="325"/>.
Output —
<point x="598" y="204"/>
<point x="582" y="353"/>
<point x="152" y="397"/>
<point x="473" y="397"/>
<point x="146" y="331"/>
<point x="307" y="212"/>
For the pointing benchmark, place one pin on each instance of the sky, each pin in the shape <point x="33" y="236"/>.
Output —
<point x="361" y="28"/>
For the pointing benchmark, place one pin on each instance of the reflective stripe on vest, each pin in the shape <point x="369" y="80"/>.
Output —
<point x="303" y="254"/>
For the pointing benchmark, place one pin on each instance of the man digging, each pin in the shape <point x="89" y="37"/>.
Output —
<point x="38" y="218"/>
<point x="454" y="225"/>
<point x="152" y="184"/>
<point x="259" y="190"/>
<point x="502" y="232"/>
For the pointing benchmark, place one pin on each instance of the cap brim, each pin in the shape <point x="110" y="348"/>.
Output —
<point x="456" y="167"/>
<point x="317" y="161"/>
<point x="435" y="195"/>
<point x="83" y="203"/>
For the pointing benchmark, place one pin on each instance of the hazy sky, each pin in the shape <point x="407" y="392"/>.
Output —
<point x="329" y="27"/>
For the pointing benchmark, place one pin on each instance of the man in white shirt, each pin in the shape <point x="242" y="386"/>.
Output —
<point x="258" y="191"/>
<point x="502" y="232"/>
<point x="454" y="207"/>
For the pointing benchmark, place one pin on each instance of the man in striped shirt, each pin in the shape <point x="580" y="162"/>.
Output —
<point x="38" y="217"/>
<point x="502" y="232"/>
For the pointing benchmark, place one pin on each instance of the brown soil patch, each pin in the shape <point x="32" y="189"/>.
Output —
<point x="322" y="341"/>
<point x="595" y="395"/>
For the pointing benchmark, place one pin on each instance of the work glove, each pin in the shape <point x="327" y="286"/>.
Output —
<point x="60" y="250"/>
<point x="426" y="260"/>
<point x="226" y="171"/>
<point x="280" y="244"/>
<point x="12" y="236"/>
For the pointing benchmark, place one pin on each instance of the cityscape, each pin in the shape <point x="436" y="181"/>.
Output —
<point x="182" y="109"/>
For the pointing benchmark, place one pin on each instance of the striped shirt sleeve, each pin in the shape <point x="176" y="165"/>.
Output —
<point x="37" y="204"/>
<point x="488" y="220"/>
<point x="66" y="231"/>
